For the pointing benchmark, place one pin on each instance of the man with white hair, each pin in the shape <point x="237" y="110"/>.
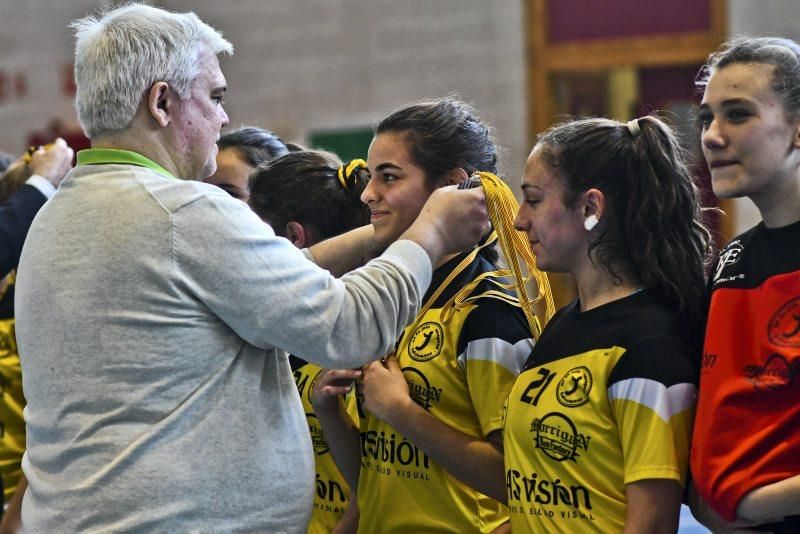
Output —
<point x="154" y="310"/>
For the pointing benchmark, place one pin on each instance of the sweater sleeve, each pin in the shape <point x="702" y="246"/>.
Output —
<point x="270" y="294"/>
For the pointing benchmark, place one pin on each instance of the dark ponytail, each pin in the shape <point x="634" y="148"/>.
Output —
<point x="304" y="187"/>
<point x="654" y="228"/>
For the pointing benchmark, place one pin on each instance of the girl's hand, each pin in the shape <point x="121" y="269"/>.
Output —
<point x="332" y="383"/>
<point x="386" y="391"/>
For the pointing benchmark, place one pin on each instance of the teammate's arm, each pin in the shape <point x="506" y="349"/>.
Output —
<point x="12" y="518"/>
<point x="343" y="253"/>
<point x="340" y="432"/>
<point x="771" y="503"/>
<point x="653" y="506"/>
<point x="451" y="220"/>
<point x="504" y="528"/>
<point x="348" y="524"/>
<point x="475" y="461"/>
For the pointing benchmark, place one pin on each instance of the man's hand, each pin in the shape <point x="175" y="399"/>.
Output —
<point x="53" y="161"/>
<point x="451" y="221"/>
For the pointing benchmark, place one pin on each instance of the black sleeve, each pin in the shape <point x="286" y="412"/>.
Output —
<point x="662" y="359"/>
<point x="16" y="216"/>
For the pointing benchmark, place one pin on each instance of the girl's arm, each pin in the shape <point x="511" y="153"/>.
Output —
<point x="653" y="506"/>
<point x="341" y="433"/>
<point x="348" y="524"/>
<point x="477" y="462"/>
<point x="771" y="503"/>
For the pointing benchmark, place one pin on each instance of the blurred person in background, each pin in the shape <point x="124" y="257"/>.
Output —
<point x="746" y="443"/>
<point x="5" y="161"/>
<point x="240" y="153"/>
<point x="306" y="197"/>
<point x="45" y="166"/>
<point x="25" y="186"/>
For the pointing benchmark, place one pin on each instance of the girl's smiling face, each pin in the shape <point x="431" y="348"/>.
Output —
<point x="397" y="188"/>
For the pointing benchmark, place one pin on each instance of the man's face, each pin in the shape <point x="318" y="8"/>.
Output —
<point x="199" y="119"/>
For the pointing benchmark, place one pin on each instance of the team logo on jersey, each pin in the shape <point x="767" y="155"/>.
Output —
<point x="784" y="327"/>
<point x="556" y="435"/>
<point x="420" y="388"/>
<point x="313" y="383"/>
<point x="573" y="389"/>
<point x="728" y="256"/>
<point x="318" y="440"/>
<point x="776" y="373"/>
<point x="426" y="342"/>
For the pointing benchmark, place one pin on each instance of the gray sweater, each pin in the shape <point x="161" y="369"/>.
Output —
<point x="153" y="320"/>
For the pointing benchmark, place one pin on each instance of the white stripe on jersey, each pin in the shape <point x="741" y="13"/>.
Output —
<point x="664" y="401"/>
<point x="499" y="351"/>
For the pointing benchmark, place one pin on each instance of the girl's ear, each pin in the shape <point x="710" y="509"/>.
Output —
<point x="594" y="203"/>
<point x="455" y="176"/>
<point x="297" y="234"/>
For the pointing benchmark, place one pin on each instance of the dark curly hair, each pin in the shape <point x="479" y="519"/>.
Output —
<point x="655" y="230"/>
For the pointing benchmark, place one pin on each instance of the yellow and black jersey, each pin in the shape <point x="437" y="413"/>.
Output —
<point x="332" y="494"/>
<point x="12" y="402"/>
<point x="460" y="371"/>
<point x="606" y="399"/>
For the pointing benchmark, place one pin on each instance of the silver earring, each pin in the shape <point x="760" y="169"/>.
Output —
<point x="590" y="222"/>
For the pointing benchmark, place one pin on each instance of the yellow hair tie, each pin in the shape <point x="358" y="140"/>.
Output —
<point x="346" y="173"/>
<point x="28" y="157"/>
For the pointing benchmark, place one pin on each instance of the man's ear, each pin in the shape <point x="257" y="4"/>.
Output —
<point x="297" y="234"/>
<point x="455" y="176"/>
<point x="159" y="102"/>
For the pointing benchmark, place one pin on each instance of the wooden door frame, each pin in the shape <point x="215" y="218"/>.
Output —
<point x="543" y="59"/>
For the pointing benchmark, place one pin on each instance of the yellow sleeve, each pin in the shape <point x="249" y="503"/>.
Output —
<point x="494" y="342"/>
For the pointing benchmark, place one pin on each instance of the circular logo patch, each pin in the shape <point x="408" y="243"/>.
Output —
<point x="419" y="387"/>
<point x="784" y="327"/>
<point x="318" y="440"/>
<point x="573" y="389"/>
<point x="310" y="388"/>
<point x="426" y="342"/>
<point x="556" y="435"/>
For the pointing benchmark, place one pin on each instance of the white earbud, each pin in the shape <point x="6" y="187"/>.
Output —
<point x="590" y="222"/>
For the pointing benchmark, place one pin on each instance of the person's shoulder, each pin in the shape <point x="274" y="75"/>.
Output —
<point x="737" y="244"/>
<point x="655" y="345"/>
<point x="174" y="194"/>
